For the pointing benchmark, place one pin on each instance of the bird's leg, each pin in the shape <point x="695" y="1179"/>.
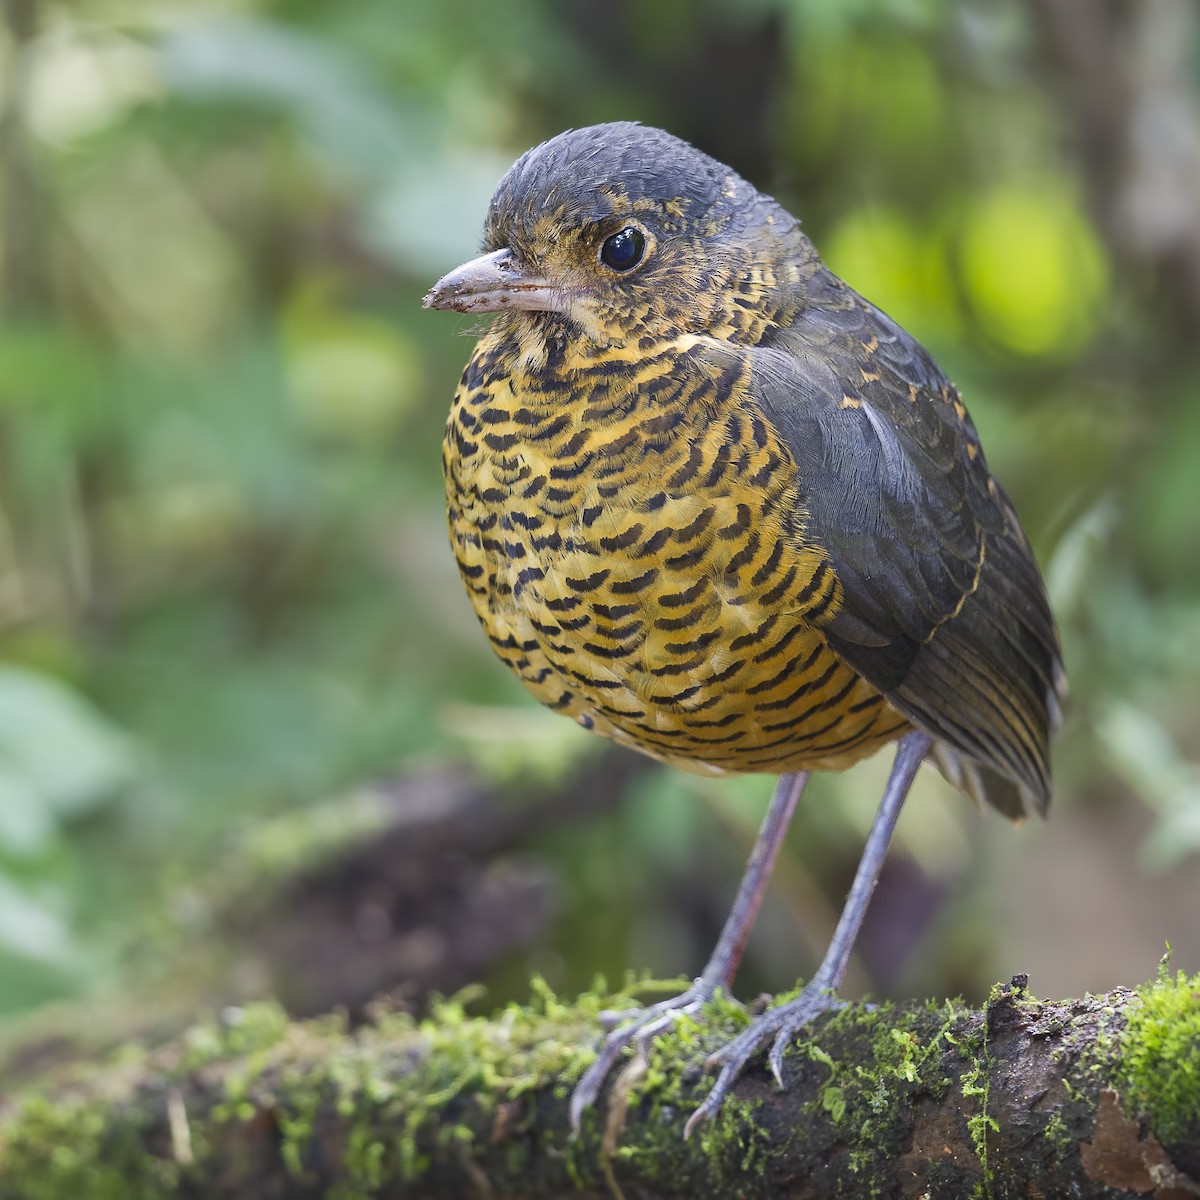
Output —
<point x="641" y="1024"/>
<point x="779" y="1025"/>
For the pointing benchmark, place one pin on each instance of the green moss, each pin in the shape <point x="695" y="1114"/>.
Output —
<point x="731" y="1145"/>
<point x="460" y="1070"/>
<point x="832" y="1097"/>
<point x="898" y="1055"/>
<point x="976" y="1084"/>
<point x="240" y="1032"/>
<point x="394" y="1096"/>
<point x="1159" y="1065"/>
<point x="905" y="1058"/>
<point x="57" y="1150"/>
<point x="1058" y="1138"/>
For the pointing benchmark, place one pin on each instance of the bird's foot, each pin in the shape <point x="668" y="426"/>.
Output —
<point x="778" y="1026"/>
<point x="636" y="1027"/>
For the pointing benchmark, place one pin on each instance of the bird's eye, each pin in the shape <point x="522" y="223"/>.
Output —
<point x="623" y="251"/>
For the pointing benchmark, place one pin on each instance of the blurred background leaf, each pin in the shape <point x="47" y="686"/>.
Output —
<point x="226" y="600"/>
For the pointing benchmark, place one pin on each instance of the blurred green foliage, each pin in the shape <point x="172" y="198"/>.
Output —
<point x="224" y="584"/>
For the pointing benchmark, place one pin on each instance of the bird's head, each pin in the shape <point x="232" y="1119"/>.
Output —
<point x="621" y="232"/>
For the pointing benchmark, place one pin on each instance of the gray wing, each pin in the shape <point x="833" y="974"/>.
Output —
<point x="943" y="607"/>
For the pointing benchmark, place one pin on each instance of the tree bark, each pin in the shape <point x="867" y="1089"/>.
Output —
<point x="1022" y="1099"/>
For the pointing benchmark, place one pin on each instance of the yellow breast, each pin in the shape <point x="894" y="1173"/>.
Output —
<point x="633" y="543"/>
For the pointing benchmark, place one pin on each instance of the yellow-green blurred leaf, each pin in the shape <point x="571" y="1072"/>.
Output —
<point x="1034" y="268"/>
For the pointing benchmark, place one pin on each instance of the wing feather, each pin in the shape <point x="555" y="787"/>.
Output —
<point x="943" y="607"/>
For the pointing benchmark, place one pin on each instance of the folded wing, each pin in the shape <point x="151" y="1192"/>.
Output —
<point x="943" y="608"/>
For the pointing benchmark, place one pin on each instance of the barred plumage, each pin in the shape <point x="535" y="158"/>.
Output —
<point x="642" y="565"/>
<point x="711" y="503"/>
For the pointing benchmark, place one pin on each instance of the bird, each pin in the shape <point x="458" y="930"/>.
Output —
<point x="711" y="503"/>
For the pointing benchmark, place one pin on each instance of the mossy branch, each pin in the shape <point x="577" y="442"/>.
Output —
<point x="1098" y="1097"/>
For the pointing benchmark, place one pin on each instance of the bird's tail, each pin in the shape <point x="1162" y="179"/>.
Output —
<point x="986" y="786"/>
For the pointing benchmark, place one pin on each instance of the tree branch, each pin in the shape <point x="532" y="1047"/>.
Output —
<point x="1098" y="1097"/>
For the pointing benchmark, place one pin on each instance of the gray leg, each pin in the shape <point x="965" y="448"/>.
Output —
<point x="779" y="1025"/>
<point x="641" y="1025"/>
<point x="727" y="953"/>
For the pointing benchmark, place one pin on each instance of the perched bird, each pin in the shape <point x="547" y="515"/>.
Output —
<point x="711" y="503"/>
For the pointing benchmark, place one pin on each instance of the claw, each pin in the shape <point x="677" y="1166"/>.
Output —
<point x="644" y="1035"/>
<point x="777" y="1025"/>
<point x="637" y="1027"/>
<point x="712" y="1102"/>
<point x="775" y="1058"/>
<point x="703" y="1113"/>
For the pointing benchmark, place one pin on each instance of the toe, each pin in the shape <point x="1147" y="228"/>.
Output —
<point x="775" y="1058"/>
<point x="634" y="1027"/>
<point x="610" y="1018"/>
<point x="777" y="1026"/>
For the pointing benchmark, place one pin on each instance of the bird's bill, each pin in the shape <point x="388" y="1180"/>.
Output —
<point x="493" y="283"/>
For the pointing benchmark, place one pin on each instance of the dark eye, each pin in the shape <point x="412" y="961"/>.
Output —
<point x="623" y="250"/>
